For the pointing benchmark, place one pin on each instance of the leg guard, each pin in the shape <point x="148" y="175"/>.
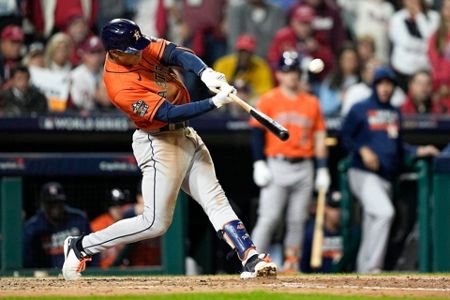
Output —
<point x="237" y="237"/>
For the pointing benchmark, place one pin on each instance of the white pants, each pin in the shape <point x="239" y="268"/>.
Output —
<point x="290" y="189"/>
<point x="378" y="213"/>
<point x="169" y="161"/>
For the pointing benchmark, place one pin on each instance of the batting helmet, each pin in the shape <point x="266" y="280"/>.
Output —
<point x="123" y="35"/>
<point x="289" y="61"/>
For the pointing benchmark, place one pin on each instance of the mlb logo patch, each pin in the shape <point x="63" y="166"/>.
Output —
<point x="140" y="108"/>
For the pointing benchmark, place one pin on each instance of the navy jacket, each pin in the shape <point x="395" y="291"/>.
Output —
<point x="43" y="242"/>
<point x="378" y="126"/>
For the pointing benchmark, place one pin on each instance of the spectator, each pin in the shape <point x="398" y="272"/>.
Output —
<point x="327" y="24"/>
<point x="114" y="212"/>
<point x="409" y="31"/>
<point x="35" y="57"/>
<point x="299" y="36"/>
<point x="11" y="42"/>
<point x="439" y="54"/>
<point x="420" y="99"/>
<point x="45" y="232"/>
<point x="57" y="53"/>
<point x="21" y="98"/>
<point x="365" y="46"/>
<point x="245" y="65"/>
<point x="371" y="18"/>
<point x="78" y="30"/>
<point x="258" y="18"/>
<point x="51" y="16"/>
<point x="332" y="247"/>
<point x="84" y="78"/>
<point x="346" y="73"/>
<point x="371" y="133"/>
<point x="359" y="91"/>
<point x="284" y="170"/>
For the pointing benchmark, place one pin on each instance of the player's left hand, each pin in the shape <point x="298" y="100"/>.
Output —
<point x="323" y="180"/>
<point x="213" y="79"/>
<point x="428" y="150"/>
<point x="222" y="97"/>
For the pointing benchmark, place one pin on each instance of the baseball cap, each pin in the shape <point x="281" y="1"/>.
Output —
<point x="334" y="199"/>
<point x="117" y="197"/>
<point x="289" y="61"/>
<point x="92" y="44"/>
<point x="303" y="13"/>
<point x="52" y="191"/>
<point x="12" y="33"/>
<point x="246" y="42"/>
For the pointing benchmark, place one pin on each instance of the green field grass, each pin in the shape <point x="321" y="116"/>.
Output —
<point x="228" y="296"/>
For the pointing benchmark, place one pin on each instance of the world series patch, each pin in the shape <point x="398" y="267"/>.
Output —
<point x="140" y="108"/>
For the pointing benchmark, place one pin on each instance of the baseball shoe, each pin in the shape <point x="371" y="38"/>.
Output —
<point x="74" y="259"/>
<point x="259" y="265"/>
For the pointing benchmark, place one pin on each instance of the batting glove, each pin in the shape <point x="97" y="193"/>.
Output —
<point x="261" y="173"/>
<point x="213" y="79"/>
<point x="222" y="97"/>
<point x="323" y="180"/>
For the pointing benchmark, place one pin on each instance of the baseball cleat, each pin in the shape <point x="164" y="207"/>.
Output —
<point x="74" y="259"/>
<point x="259" y="265"/>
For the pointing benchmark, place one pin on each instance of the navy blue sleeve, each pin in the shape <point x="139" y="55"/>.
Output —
<point x="170" y="113"/>
<point x="258" y="143"/>
<point x="175" y="56"/>
<point x="349" y="129"/>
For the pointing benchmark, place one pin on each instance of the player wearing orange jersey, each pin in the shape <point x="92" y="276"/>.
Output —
<point x="284" y="170"/>
<point x="140" y="81"/>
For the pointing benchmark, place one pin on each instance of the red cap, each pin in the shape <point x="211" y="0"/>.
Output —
<point x="246" y="42"/>
<point x="303" y="13"/>
<point x="92" y="44"/>
<point x="12" y="33"/>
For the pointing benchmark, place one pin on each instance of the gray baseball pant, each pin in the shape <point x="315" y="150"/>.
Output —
<point x="378" y="213"/>
<point x="169" y="161"/>
<point x="290" y="188"/>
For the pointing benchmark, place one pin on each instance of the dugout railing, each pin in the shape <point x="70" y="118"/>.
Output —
<point x="17" y="169"/>
<point x="425" y="218"/>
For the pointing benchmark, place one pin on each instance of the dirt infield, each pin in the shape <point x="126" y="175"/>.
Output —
<point x="382" y="285"/>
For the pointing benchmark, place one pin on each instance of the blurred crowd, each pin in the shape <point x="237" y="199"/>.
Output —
<point x="51" y="58"/>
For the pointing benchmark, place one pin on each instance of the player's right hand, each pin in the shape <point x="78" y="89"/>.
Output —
<point x="369" y="158"/>
<point x="222" y="97"/>
<point x="261" y="173"/>
<point x="213" y="79"/>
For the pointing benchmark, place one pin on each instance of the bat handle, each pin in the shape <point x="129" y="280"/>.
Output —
<point x="247" y="107"/>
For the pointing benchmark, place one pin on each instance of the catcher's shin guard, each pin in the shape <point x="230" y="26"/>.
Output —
<point x="237" y="237"/>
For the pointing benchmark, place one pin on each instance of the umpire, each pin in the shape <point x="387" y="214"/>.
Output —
<point x="372" y="134"/>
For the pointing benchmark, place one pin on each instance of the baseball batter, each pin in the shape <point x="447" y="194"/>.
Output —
<point x="371" y="133"/>
<point x="171" y="155"/>
<point x="284" y="170"/>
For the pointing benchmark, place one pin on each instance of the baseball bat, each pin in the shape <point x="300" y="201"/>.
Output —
<point x="273" y="126"/>
<point x="316" y="252"/>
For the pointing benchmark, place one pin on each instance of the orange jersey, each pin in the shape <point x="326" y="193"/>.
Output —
<point x="301" y="116"/>
<point x="140" y="90"/>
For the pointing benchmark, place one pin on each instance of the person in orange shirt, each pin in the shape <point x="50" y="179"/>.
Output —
<point x="140" y="81"/>
<point x="115" y="211"/>
<point x="285" y="170"/>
